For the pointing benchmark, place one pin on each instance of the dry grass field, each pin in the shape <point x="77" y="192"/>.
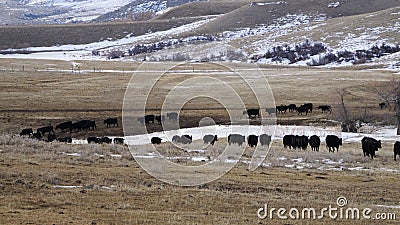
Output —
<point x="108" y="186"/>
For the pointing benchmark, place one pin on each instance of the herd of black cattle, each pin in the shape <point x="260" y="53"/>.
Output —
<point x="369" y="145"/>
<point x="71" y="127"/>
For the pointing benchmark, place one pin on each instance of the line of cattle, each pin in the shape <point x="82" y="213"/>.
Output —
<point x="282" y="109"/>
<point x="369" y="145"/>
<point x="71" y="127"/>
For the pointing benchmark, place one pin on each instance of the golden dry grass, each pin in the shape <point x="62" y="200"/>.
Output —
<point x="116" y="190"/>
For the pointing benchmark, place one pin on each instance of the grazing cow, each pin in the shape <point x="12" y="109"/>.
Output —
<point x="332" y="142"/>
<point x="172" y="116"/>
<point x="106" y="140"/>
<point x="160" y="119"/>
<point x="83" y="125"/>
<point x="292" y="107"/>
<point x="65" y="139"/>
<point x="315" y="142"/>
<point x="370" y="146"/>
<point x="282" y="108"/>
<point x="252" y="113"/>
<point x="287" y="141"/>
<point x="270" y="111"/>
<point x="64" y="126"/>
<point x="51" y="137"/>
<point x="176" y="139"/>
<point x="210" y="139"/>
<point x="27" y="131"/>
<point x="119" y="141"/>
<point x="309" y="106"/>
<point x="396" y="149"/>
<point x="265" y="139"/>
<point x="302" y="109"/>
<point x="44" y="130"/>
<point x="325" y="108"/>
<point x="37" y="136"/>
<point x="236" y="139"/>
<point x="111" y="121"/>
<point x="252" y="140"/>
<point x="186" y="139"/>
<point x="93" y="140"/>
<point x="383" y="105"/>
<point x="149" y="118"/>
<point x="156" y="140"/>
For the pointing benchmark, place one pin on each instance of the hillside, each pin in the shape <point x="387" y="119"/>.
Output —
<point x="141" y="10"/>
<point x="266" y="13"/>
<point x="203" y="8"/>
<point x="16" y="37"/>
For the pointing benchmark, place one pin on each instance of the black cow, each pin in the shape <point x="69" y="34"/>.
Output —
<point x="186" y="139"/>
<point x="176" y="139"/>
<point x="287" y="141"/>
<point x="111" y="121"/>
<point x="265" y="139"/>
<point x="302" y="109"/>
<point x="83" y="125"/>
<point x="383" y="105"/>
<point x="252" y="140"/>
<point x="27" y="131"/>
<point x="172" y="116"/>
<point x="44" y="130"/>
<point x="282" y="108"/>
<point x="37" y="136"/>
<point x="315" y="142"/>
<point x="149" y="118"/>
<point x="210" y="139"/>
<point x="325" y="108"/>
<point x="64" y="126"/>
<point x="156" y="140"/>
<point x="304" y="142"/>
<point x="252" y="113"/>
<point x="270" y="110"/>
<point x="309" y="106"/>
<point x="65" y="139"/>
<point x="396" y="149"/>
<point x="119" y="141"/>
<point x="160" y="119"/>
<point x="93" y="140"/>
<point x="51" y="137"/>
<point x="292" y="107"/>
<point x="332" y="142"/>
<point x="106" y="140"/>
<point x="370" y="146"/>
<point x="236" y="139"/>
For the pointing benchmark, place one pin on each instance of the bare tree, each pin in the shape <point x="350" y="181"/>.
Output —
<point x="351" y="120"/>
<point x="390" y="94"/>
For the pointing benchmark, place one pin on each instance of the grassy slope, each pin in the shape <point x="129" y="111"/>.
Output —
<point x="251" y="15"/>
<point x="50" y="35"/>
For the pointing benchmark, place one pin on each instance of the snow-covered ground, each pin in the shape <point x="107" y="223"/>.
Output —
<point x="387" y="134"/>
